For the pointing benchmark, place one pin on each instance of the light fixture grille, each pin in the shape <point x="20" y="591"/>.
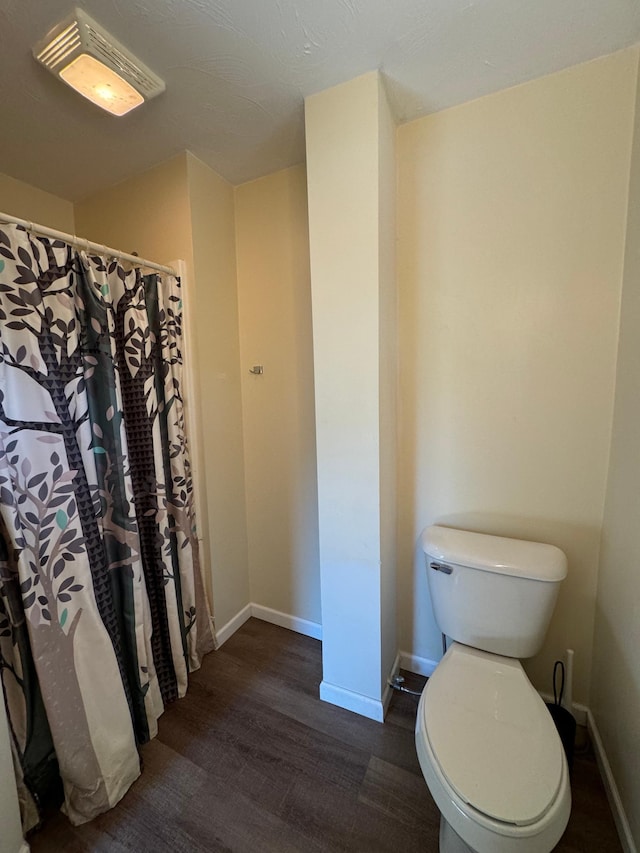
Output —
<point x="107" y="51"/>
<point x="60" y="47"/>
<point x="79" y="34"/>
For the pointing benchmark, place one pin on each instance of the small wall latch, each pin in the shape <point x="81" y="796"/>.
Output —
<point x="257" y="370"/>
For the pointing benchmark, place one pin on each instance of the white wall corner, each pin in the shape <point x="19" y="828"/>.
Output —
<point x="232" y="626"/>
<point x="416" y="664"/>
<point x="613" y="795"/>
<point x="24" y="848"/>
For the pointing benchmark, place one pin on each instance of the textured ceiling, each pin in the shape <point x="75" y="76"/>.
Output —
<point x="237" y="72"/>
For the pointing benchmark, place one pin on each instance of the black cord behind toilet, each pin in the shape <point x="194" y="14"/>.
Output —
<point x="565" y="722"/>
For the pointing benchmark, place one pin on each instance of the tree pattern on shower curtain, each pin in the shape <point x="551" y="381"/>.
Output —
<point x="102" y="607"/>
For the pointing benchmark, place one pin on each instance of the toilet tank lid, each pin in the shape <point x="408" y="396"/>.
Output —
<point x="516" y="557"/>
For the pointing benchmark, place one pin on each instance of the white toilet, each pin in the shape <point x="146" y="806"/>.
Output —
<point x="487" y="745"/>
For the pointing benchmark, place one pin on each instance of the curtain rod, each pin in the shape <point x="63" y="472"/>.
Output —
<point x="88" y="246"/>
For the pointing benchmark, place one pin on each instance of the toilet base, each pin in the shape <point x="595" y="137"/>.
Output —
<point x="450" y="841"/>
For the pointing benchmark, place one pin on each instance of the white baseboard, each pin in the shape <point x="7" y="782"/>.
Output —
<point x="285" y="620"/>
<point x="356" y="702"/>
<point x="232" y="626"/>
<point x="613" y="795"/>
<point x="374" y="709"/>
<point x="418" y="665"/>
<point x="579" y="711"/>
<point x="267" y="614"/>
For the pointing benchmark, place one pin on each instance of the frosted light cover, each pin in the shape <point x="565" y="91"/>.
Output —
<point x="101" y="85"/>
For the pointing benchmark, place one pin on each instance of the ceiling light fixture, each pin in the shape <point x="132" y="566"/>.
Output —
<point x="87" y="58"/>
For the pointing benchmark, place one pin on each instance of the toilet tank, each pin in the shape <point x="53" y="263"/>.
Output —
<point x="490" y="592"/>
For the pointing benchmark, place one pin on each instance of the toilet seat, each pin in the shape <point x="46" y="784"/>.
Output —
<point x="494" y="766"/>
<point x="492" y="736"/>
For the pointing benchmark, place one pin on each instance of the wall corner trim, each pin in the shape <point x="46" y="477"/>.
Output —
<point x="613" y="795"/>
<point x="374" y="709"/>
<point x="416" y="664"/>
<point x="356" y="702"/>
<point x="285" y="620"/>
<point x="267" y="614"/>
<point x="232" y="626"/>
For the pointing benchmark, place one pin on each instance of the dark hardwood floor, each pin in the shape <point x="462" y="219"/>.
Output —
<point x="252" y="760"/>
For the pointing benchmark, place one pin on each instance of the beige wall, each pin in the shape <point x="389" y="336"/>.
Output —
<point x="274" y="295"/>
<point x="148" y="214"/>
<point x="182" y="210"/>
<point x="27" y="202"/>
<point x="615" y="692"/>
<point x="218" y="357"/>
<point x="511" y="226"/>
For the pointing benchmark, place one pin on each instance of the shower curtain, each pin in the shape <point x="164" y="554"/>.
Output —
<point x="102" y="607"/>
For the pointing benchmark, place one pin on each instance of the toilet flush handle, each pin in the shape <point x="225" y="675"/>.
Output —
<point x="442" y="567"/>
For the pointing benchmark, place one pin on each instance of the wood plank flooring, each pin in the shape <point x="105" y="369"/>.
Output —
<point x="251" y="760"/>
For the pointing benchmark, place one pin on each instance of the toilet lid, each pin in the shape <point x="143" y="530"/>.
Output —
<point x="493" y="737"/>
